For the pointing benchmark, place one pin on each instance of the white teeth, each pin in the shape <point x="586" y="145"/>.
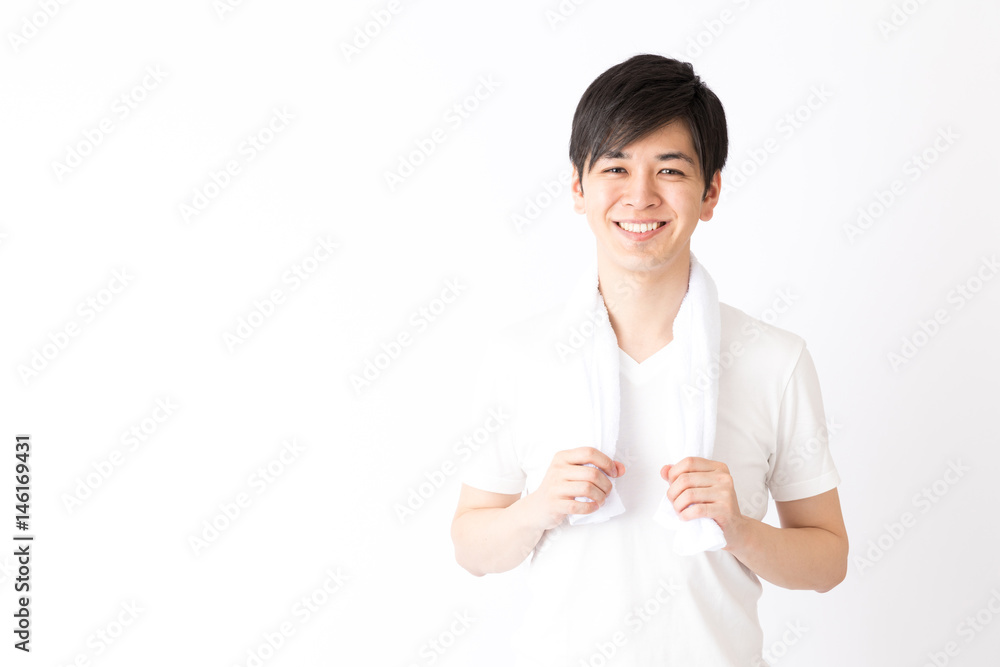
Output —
<point x="631" y="227"/>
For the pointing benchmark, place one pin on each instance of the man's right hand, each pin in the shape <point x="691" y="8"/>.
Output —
<point x="568" y="478"/>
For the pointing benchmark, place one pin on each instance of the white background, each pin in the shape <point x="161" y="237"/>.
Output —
<point x="889" y="90"/>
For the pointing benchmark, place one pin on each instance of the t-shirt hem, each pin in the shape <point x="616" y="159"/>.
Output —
<point x="494" y="484"/>
<point x="807" y="488"/>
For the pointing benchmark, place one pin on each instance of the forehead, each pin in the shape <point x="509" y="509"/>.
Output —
<point x="671" y="141"/>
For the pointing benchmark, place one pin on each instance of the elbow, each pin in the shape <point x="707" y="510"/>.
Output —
<point x="466" y="564"/>
<point x="471" y="570"/>
<point x="460" y="552"/>
<point x="832" y="583"/>
<point x="837" y="572"/>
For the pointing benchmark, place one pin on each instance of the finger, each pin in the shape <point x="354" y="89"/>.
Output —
<point x="689" y="464"/>
<point x="580" y="507"/>
<point x="691" y="497"/>
<point x="590" y="475"/>
<point x="695" y="511"/>
<point x="593" y="456"/>
<point x="584" y="490"/>
<point x="691" y="480"/>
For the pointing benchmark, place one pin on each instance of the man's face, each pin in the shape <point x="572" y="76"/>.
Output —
<point x="655" y="181"/>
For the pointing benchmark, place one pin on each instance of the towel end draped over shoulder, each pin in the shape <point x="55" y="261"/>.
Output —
<point x="697" y="331"/>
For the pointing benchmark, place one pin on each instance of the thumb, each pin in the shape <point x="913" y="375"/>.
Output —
<point x="665" y="470"/>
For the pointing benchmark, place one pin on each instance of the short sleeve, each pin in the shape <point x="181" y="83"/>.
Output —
<point x="802" y="465"/>
<point x="496" y="467"/>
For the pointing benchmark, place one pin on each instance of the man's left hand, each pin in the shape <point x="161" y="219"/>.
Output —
<point x="704" y="488"/>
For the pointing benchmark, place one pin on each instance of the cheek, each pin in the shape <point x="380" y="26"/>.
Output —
<point x="687" y="205"/>
<point x="602" y="204"/>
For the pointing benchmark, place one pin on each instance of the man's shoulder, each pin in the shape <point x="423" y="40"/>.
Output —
<point x="759" y="345"/>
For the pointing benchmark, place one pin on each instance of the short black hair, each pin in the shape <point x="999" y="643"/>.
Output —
<point x="641" y="95"/>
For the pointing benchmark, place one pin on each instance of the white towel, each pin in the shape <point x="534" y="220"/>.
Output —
<point x="696" y="337"/>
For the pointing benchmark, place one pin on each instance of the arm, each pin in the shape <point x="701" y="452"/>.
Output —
<point x="492" y="532"/>
<point x="495" y="532"/>
<point x="809" y="551"/>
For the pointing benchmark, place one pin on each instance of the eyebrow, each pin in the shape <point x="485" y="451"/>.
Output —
<point x="662" y="157"/>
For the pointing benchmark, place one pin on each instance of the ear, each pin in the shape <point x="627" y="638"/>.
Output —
<point x="711" y="197"/>
<point x="576" y="187"/>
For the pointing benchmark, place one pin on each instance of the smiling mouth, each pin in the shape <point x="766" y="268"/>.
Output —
<point x="639" y="228"/>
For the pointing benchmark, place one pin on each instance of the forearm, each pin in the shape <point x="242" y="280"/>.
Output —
<point x="495" y="539"/>
<point x="797" y="558"/>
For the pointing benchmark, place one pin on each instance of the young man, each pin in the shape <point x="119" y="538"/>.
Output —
<point x="647" y="147"/>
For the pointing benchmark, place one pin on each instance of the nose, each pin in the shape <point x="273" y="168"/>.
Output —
<point x="640" y="192"/>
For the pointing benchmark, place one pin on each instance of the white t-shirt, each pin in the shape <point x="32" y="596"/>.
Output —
<point x="615" y="592"/>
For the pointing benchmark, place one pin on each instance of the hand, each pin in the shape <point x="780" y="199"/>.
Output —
<point x="569" y="477"/>
<point x="704" y="488"/>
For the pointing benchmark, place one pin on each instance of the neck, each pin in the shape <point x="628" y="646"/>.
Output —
<point x="642" y="305"/>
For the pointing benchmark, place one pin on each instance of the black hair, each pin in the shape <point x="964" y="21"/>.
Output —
<point x="641" y="95"/>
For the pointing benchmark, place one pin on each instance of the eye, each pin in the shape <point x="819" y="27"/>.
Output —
<point x="614" y="170"/>
<point x="672" y="171"/>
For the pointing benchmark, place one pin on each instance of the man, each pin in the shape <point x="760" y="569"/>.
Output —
<point x="647" y="147"/>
